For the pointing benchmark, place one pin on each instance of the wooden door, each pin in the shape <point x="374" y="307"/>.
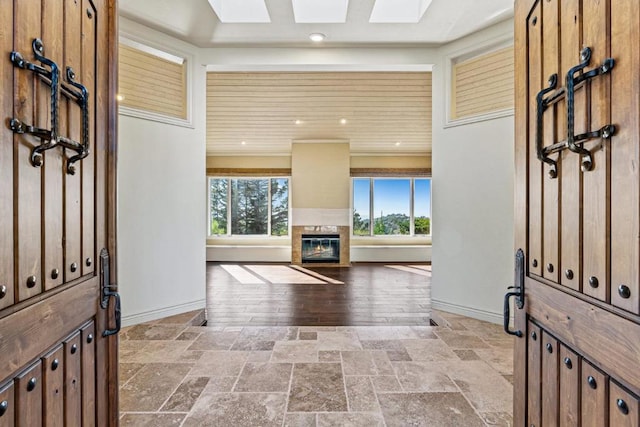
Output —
<point x="577" y="356"/>
<point x="57" y="212"/>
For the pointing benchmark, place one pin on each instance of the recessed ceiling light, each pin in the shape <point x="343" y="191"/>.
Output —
<point x="119" y="98"/>
<point x="343" y="121"/>
<point x="244" y="143"/>
<point x="317" y="37"/>
<point x="298" y="122"/>
<point x="398" y="143"/>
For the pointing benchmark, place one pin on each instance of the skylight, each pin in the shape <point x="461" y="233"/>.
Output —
<point x="241" y="11"/>
<point x="320" y="11"/>
<point x="398" y="11"/>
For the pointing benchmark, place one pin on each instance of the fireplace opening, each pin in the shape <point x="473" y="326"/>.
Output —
<point x="320" y="248"/>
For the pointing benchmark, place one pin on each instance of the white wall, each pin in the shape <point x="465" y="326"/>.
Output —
<point x="162" y="204"/>
<point x="472" y="199"/>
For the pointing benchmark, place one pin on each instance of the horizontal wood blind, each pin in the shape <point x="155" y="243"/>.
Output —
<point x="483" y="84"/>
<point x="261" y="108"/>
<point x="150" y="83"/>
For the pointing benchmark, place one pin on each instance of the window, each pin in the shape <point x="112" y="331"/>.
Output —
<point x="249" y="206"/>
<point x="482" y="84"/>
<point x="153" y="83"/>
<point x="398" y="206"/>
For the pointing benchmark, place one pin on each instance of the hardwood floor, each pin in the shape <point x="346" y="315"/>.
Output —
<point x="372" y="294"/>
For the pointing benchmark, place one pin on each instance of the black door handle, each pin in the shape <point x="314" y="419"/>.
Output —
<point x="117" y="315"/>
<point x="107" y="293"/>
<point x="518" y="293"/>
<point x="507" y="314"/>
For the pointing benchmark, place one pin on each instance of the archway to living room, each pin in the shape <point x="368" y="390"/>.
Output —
<point x="331" y="180"/>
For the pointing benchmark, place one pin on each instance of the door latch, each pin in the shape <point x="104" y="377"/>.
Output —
<point x="107" y="293"/>
<point x="518" y="293"/>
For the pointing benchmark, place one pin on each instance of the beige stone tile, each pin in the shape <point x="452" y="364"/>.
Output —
<point x="180" y="319"/>
<point x="399" y="355"/>
<point x="499" y="359"/>
<point x="428" y="409"/>
<point x="501" y="419"/>
<point x="300" y="420"/>
<point x="349" y="420"/>
<point x="425" y="332"/>
<point x="160" y="352"/>
<point x="429" y="350"/>
<point x="264" y="377"/>
<point x="128" y="350"/>
<point x="152" y="332"/>
<point x="186" y="395"/>
<point x="329" y="356"/>
<point x="424" y="376"/>
<point x="360" y="394"/>
<point x="505" y="343"/>
<point x="339" y="340"/>
<point x="188" y="336"/>
<point x="382" y="345"/>
<point x="456" y="339"/>
<point x="317" y="387"/>
<point x="295" y="351"/>
<point x="386" y="332"/>
<point x="484" y="387"/>
<point x="219" y="364"/>
<point x="151" y="420"/>
<point x="238" y="409"/>
<point x="386" y="384"/>
<point x="151" y="386"/>
<point x="317" y="328"/>
<point x="382" y="362"/>
<point x="358" y="363"/>
<point x="304" y="335"/>
<point x="209" y="341"/>
<point x="467" y="354"/>
<point x="128" y="370"/>
<point x="219" y="385"/>
<point x="259" y="356"/>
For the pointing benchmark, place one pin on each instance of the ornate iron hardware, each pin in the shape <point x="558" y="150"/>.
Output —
<point x="573" y="142"/>
<point x="107" y="293"/>
<point x="71" y="89"/>
<point x="518" y="293"/>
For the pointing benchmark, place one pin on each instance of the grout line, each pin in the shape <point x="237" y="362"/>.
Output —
<point x="286" y="403"/>
<point x="344" y="382"/>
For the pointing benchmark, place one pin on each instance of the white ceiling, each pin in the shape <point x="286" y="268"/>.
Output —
<point x="195" y="21"/>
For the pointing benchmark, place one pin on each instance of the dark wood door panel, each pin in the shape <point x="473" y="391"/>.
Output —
<point x="594" y="396"/>
<point x="29" y="397"/>
<point x="569" y="402"/>
<point x="610" y="340"/>
<point x="623" y="407"/>
<point x="7" y="405"/>
<point x="53" y="387"/>
<point x="63" y="313"/>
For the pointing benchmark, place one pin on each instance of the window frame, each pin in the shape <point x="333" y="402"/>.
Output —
<point x="412" y="233"/>
<point x="141" y="43"/>
<point x="464" y="54"/>
<point x="229" y="233"/>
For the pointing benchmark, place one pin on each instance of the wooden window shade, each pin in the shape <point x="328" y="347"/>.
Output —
<point x="483" y="84"/>
<point x="150" y="83"/>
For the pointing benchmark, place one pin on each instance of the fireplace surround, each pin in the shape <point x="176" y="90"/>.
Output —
<point x="331" y="245"/>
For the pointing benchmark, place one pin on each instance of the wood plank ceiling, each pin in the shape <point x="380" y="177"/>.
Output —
<point x="385" y="112"/>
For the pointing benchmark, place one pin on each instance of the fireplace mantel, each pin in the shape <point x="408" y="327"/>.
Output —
<point x="296" y="243"/>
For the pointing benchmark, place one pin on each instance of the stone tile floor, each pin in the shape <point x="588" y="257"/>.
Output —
<point x="456" y="374"/>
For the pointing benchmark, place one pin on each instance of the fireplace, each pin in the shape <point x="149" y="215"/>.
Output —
<point x="320" y="248"/>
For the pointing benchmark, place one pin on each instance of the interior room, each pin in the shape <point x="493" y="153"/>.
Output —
<point x="371" y="104"/>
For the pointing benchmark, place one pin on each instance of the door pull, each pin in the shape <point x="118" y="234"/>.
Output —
<point x="518" y="293"/>
<point x="49" y="73"/>
<point x="573" y="142"/>
<point x="108" y="293"/>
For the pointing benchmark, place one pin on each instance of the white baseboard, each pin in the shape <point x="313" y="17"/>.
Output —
<point x="474" y="313"/>
<point x="148" y="316"/>
<point x="254" y="253"/>
<point x="391" y="253"/>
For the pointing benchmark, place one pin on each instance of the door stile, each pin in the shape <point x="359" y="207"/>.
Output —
<point x="27" y="179"/>
<point x="7" y="277"/>
<point x="521" y="206"/>
<point x="550" y="186"/>
<point x="570" y="174"/>
<point x="596" y="191"/>
<point x="625" y="179"/>
<point x="52" y="167"/>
